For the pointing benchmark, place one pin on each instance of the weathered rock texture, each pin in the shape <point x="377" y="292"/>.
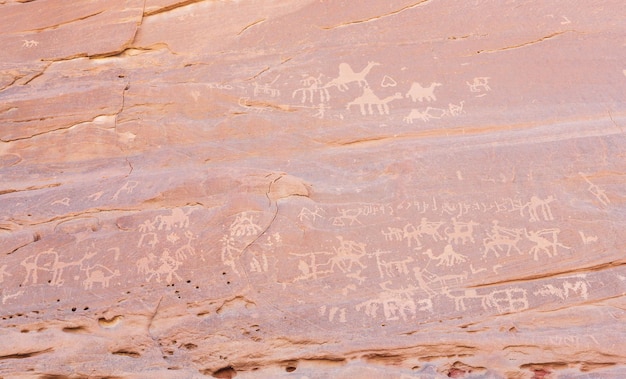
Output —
<point x="312" y="189"/>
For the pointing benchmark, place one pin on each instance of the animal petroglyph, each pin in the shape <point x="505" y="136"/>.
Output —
<point x="347" y="255"/>
<point x="501" y="239"/>
<point x="369" y="99"/>
<point x="177" y="219"/>
<point x="538" y="207"/>
<point x="596" y="191"/>
<point x="508" y="300"/>
<point x="266" y="89"/>
<point x="449" y="257"/>
<point x="65" y="201"/>
<point x="48" y="262"/>
<point x="346" y="217"/>
<point x="396" y="304"/>
<point x="28" y="43"/>
<point x="128" y="187"/>
<point x="587" y="239"/>
<point x="314" y="90"/>
<point x="545" y="241"/>
<point x="311" y="268"/>
<point x="347" y="76"/>
<point x="579" y="287"/>
<point x="427" y="114"/>
<point x="392" y="268"/>
<point x="99" y="274"/>
<point x="419" y="93"/>
<point x="456" y="110"/>
<point x="479" y="84"/>
<point x="461" y="231"/>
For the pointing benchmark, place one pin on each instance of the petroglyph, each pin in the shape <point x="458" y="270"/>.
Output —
<point x="347" y="255"/>
<point x="340" y="313"/>
<point x="587" y="239"/>
<point x="259" y="264"/>
<point x="501" y="239"/>
<point x="396" y="304"/>
<point x="388" y="82"/>
<point x="479" y="84"/>
<point x="596" y="191"/>
<point x="177" y="219"/>
<point x="311" y="269"/>
<point x="419" y="93"/>
<point x="538" y="207"/>
<point x="128" y="188"/>
<point x="348" y="76"/>
<point x="427" y="114"/>
<point x="369" y="99"/>
<point x="165" y="265"/>
<point x="99" y="274"/>
<point x="308" y="214"/>
<point x="346" y="215"/>
<point x="48" y="262"/>
<point x="508" y="300"/>
<point x="266" y="89"/>
<point x="449" y="257"/>
<point x="545" y="241"/>
<point x="461" y="232"/>
<point x="456" y="110"/>
<point x="4" y="273"/>
<point x="65" y="201"/>
<point x="30" y="43"/>
<point x="392" y="268"/>
<point x="244" y="225"/>
<point x="579" y="287"/>
<point x="312" y="91"/>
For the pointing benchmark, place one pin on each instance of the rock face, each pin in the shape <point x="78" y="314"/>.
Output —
<point x="312" y="189"/>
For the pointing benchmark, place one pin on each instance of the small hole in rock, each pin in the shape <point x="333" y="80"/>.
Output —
<point x="290" y="369"/>
<point x="74" y="309"/>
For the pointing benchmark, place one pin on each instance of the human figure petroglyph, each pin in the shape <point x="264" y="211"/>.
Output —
<point x="347" y="76"/>
<point x="3" y="273"/>
<point x="28" y="43"/>
<point x="308" y="214"/>
<point x="313" y="88"/>
<point x="419" y="93"/>
<point x="348" y="254"/>
<point x="596" y="191"/>
<point x="479" y="84"/>
<point x="65" y="201"/>
<point x="391" y="268"/>
<point x="48" y="261"/>
<point x="369" y="99"/>
<point x="128" y="187"/>
<point x="99" y="274"/>
<point x="537" y="207"/>
<point x="153" y="268"/>
<point x="545" y="241"/>
<point x="245" y="225"/>
<point x="449" y="257"/>
<point x="461" y="231"/>
<point x="430" y="228"/>
<point x="346" y="215"/>
<point x="177" y="219"/>
<point x="501" y="239"/>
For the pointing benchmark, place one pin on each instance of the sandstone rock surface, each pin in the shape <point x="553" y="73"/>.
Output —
<point x="312" y="189"/>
